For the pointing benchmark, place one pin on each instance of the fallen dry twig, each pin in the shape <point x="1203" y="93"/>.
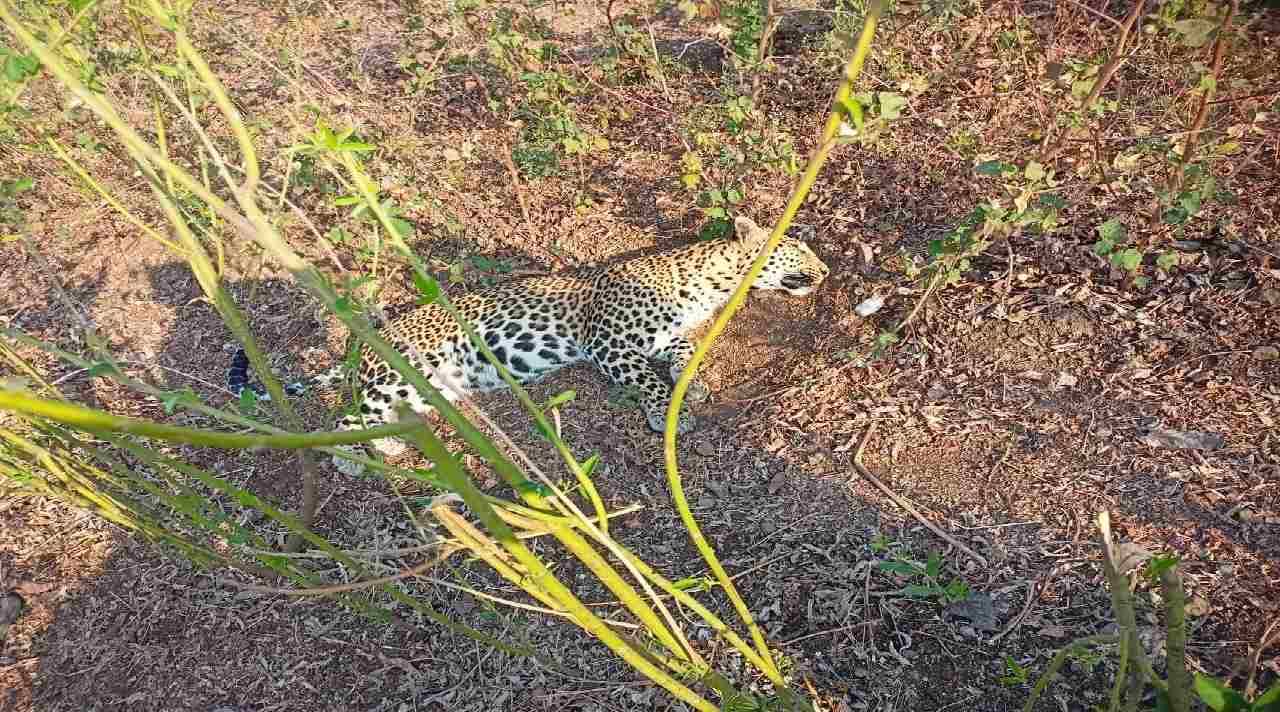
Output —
<point x="857" y="465"/>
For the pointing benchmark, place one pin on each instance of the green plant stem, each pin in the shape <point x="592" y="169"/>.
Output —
<point x="97" y="421"/>
<point x="1114" y="703"/>
<point x="197" y="407"/>
<point x="540" y="576"/>
<point x="1175" y="612"/>
<point x="826" y="142"/>
<point x="1058" y="661"/>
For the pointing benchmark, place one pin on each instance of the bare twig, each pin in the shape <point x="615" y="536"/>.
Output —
<point x="412" y="571"/>
<point x="1202" y="112"/>
<point x="1033" y="589"/>
<point x="771" y="22"/>
<point x="1095" y="13"/>
<point x="1104" y="78"/>
<point x="518" y="187"/>
<point x="864" y="624"/>
<point x="857" y="465"/>
<point x="1269" y="636"/>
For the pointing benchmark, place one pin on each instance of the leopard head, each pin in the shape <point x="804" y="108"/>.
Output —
<point x="792" y="267"/>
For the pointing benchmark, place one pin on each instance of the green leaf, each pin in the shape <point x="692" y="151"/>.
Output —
<point x="560" y="399"/>
<point x="933" y="566"/>
<point x="1175" y="216"/>
<point x="1269" y="701"/>
<point x="18" y="67"/>
<point x="248" y="402"/>
<point x="1112" y="230"/>
<point x="428" y="288"/>
<point x="885" y="339"/>
<point x="1190" y="202"/>
<point x="957" y="590"/>
<point x="991" y="168"/>
<point x="346" y="200"/>
<point x="1218" y="696"/>
<point x="916" y="590"/>
<point x="902" y="568"/>
<point x="1034" y="171"/>
<point x="1053" y="200"/>
<point x="589" y="465"/>
<point x="402" y="227"/>
<point x="852" y="108"/>
<point x="355" y="146"/>
<point x="891" y="104"/>
<point x="1103" y="247"/>
<point x="1195" y="32"/>
<point x="22" y="184"/>
<point x="102" y="369"/>
<point x="172" y="400"/>
<point x="529" y="486"/>
<point x="1128" y="259"/>
<point x="1167" y="260"/>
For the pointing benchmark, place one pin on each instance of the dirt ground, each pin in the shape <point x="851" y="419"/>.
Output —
<point x="1019" y="402"/>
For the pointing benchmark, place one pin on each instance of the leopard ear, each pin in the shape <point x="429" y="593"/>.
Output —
<point x="748" y="232"/>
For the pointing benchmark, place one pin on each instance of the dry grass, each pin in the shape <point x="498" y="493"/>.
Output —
<point x="1010" y="413"/>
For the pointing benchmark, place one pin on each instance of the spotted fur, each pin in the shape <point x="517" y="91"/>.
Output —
<point x="620" y="319"/>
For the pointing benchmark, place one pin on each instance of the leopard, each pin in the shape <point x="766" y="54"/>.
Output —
<point x="622" y="319"/>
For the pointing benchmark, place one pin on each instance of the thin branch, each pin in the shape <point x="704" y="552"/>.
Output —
<point x="410" y="572"/>
<point x="857" y="465"/>
<point x="1202" y="112"/>
<point x="1104" y="78"/>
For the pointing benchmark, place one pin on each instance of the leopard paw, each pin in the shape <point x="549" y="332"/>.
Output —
<point x="685" y="422"/>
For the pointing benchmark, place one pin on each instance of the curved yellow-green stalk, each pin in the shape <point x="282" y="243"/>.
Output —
<point x="92" y="420"/>
<point x="825" y="143"/>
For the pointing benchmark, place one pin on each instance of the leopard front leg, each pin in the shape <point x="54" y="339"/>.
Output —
<point x="680" y="353"/>
<point x="378" y="404"/>
<point x="631" y="368"/>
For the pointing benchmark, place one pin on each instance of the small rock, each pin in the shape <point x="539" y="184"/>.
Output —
<point x="1181" y="439"/>
<point x="1266" y="353"/>
<point x="704" y="448"/>
<point x="870" y="306"/>
<point x="979" y="608"/>
<point x="719" y="489"/>
<point x="1245" y="515"/>
<point x="1271" y="296"/>
<point x="11" y="605"/>
<point x="777" y="482"/>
